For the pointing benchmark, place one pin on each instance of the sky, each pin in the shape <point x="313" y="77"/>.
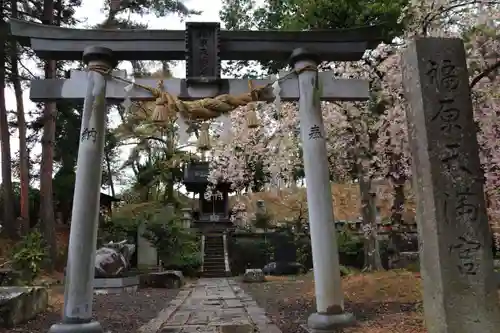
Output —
<point x="91" y="12"/>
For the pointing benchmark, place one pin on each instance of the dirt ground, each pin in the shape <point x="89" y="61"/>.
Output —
<point x="385" y="302"/>
<point x="117" y="313"/>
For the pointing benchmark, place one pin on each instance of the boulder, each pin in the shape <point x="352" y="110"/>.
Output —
<point x="113" y="259"/>
<point x="254" y="275"/>
<point x="19" y="304"/>
<point x="284" y="268"/>
<point x="164" y="279"/>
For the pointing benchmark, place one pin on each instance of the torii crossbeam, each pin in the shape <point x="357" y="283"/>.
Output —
<point x="203" y="45"/>
<point x="68" y="44"/>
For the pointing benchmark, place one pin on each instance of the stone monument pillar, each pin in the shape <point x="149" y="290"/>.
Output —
<point x="460" y="292"/>
<point x="147" y="255"/>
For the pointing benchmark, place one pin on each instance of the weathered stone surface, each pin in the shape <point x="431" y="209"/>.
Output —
<point x="497" y="279"/>
<point x="284" y="268"/>
<point x="212" y="306"/>
<point x="246" y="328"/>
<point x="147" y="255"/>
<point x="404" y="260"/>
<point x="113" y="259"/>
<point x="456" y="258"/>
<point x="19" y="304"/>
<point x="164" y="279"/>
<point x="254" y="275"/>
<point x="117" y="285"/>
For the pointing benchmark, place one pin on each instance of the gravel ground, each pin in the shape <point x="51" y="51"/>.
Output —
<point x="382" y="302"/>
<point x="120" y="313"/>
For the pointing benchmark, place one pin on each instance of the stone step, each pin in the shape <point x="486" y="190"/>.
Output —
<point x="215" y="257"/>
<point x="211" y="265"/>
<point x="214" y="266"/>
<point x="214" y="240"/>
<point x="214" y="244"/>
<point x="214" y="274"/>
<point x="214" y="251"/>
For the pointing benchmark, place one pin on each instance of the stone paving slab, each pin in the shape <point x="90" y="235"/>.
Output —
<point x="215" y="305"/>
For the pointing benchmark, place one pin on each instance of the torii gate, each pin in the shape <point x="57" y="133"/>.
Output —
<point x="203" y="45"/>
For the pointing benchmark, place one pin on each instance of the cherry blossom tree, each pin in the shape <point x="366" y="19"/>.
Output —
<point x="369" y="140"/>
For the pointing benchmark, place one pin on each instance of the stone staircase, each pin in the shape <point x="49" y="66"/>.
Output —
<point x="213" y="256"/>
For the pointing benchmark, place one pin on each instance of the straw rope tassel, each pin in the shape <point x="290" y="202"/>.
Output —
<point x="161" y="112"/>
<point x="252" y="119"/>
<point x="204" y="139"/>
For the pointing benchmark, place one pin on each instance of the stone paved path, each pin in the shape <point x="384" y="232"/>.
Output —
<point x="215" y="305"/>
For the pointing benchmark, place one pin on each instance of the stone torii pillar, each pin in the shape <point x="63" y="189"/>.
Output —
<point x="203" y="45"/>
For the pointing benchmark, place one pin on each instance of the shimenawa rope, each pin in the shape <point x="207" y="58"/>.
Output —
<point x="202" y="109"/>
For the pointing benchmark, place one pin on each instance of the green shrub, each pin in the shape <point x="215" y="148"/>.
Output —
<point x="177" y="248"/>
<point x="249" y="253"/>
<point x="348" y="243"/>
<point x="189" y="264"/>
<point x="117" y="229"/>
<point x="28" y="255"/>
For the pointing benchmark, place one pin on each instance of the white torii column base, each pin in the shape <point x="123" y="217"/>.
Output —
<point x="329" y="323"/>
<point x="90" y="327"/>
<point x="330" y="315"/>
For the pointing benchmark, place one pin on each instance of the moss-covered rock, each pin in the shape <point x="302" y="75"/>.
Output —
<point x="19" y="304"/>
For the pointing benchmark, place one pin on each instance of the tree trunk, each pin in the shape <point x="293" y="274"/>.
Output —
<point x="373" y="261"/>
<point x="46" y="169"/>
<point x="170" y="181"/>
<point x="110" y="177"/>
<point x="21" y="125"/>
<point x="399" y="202"/>
<point x="9" y="222"/>
<point x="397" y="211"/>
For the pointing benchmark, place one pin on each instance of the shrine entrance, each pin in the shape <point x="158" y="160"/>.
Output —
<point x="210" y="214"/>
<point x="211" y="218"/>
<point x="202" y="96"/>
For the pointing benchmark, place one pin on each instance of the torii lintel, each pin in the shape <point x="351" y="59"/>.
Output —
<point x="68" y="44"/>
